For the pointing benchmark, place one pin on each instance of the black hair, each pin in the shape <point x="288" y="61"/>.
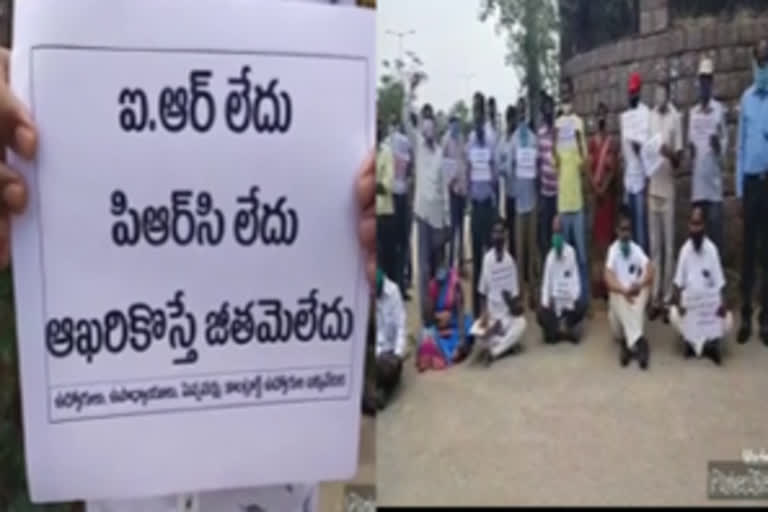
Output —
<point x="427" y="111"/>
<point x="511" y="111"/>
<point x="624" y="214"/>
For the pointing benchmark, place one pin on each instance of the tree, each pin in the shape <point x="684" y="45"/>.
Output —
<point x="531" y="27"/>
<point x="461" y="111"/>
<point x="390" y="93"/>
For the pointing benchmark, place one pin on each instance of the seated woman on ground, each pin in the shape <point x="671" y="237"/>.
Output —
<point x="446" y="340"/>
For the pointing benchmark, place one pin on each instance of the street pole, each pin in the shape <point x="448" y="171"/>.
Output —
<point x="400" y="35"/>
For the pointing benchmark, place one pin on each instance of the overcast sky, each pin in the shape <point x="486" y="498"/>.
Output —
<point x="451" y="41"/>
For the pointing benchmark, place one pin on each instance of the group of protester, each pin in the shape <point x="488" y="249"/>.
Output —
<point x="536" y="254"/>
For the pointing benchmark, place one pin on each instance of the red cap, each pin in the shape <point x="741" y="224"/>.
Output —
<point x="634" y="83"/>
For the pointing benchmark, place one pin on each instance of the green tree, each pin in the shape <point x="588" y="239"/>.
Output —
<point x="531" y="27"/>
<point x="390" y="93"/>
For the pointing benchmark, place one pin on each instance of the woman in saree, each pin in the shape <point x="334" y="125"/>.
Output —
<point x="446" y="339"/>
<point x="603" y="157"/>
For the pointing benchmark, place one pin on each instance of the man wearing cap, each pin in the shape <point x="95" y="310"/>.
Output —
<point x="667" y="123"/>
<point x="752" y="188"/>
<point x="708" y="141"/>
<point x="635" y="130"/>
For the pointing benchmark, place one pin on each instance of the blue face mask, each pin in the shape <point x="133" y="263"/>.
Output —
<point x="761" y="77"/>
<point x="455" y="130"/>
<point x="442" y="274"/>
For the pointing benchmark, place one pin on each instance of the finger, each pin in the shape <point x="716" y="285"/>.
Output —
<point x="370" y="270"/>
<point x="5" y="242"/>
<point x="366" y="183"/>
<point x="13" y="190"/>
<point x="368" y="233"/>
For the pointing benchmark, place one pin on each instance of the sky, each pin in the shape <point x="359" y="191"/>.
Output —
<point x="451" y="41"/>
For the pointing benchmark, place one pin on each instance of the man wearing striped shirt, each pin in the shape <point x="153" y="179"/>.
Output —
<point x="547" y="174"/>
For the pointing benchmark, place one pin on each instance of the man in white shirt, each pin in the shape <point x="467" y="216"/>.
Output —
<point x="432" y="202"/>
<point x="502" y="323"/>
<point x="698" y="311"/>
<point x="561" y="311"/>
<point x="666" y="122"/>
<point x="708" y="143"/>
<point x="635" y="130"/>
<point x="628" y="276"/>
<point x="390" y="337"/>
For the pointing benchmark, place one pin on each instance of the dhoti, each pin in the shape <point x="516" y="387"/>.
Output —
<point x="505" y="338"/>
<point x="696" y="341"/>
<point x="628" y="319"/>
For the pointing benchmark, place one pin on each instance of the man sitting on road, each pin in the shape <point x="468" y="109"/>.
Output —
<point x="698" y="309"/>
<point x="561" y="310"/>
<point x="390" y="337"/>
<point x="502" y="324"/>
<point x="628" y="277"/>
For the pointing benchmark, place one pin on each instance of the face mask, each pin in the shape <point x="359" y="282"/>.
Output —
<point x="660" y="96"/>
<point x="705" y="91"/>
<point x="634" y="101"/>
<point x="625" y="248"/>
<point x="557" y="243"/>
<point x="567" y="109"/>
<point x="442" y="274"/>
<point x="761" y="77"/>
<point x="428" y="127"/>
<point x="697" y="239"/>
<point x="455" y="130"/>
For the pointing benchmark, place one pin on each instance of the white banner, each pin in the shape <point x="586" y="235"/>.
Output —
<point x="526" y="163"/>
<point x="480" y="158"/>
<point x="701" y="322"/>
<point x="175" y="333"/>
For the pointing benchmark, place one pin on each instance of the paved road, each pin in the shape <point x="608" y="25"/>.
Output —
<point x="566" y="425"/>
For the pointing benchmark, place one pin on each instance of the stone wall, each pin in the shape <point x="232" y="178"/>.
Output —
<point x="601" y="75"/>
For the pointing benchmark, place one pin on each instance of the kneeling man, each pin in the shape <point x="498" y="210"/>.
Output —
<point x="698" y="309"/>
<point x="502" y="323"/>
<point x="628" y="277"/>
<point x="561" y="312"/>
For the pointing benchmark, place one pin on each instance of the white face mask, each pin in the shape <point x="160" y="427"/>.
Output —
<point x="428" y="127"/>
<point x="567" y="108"/>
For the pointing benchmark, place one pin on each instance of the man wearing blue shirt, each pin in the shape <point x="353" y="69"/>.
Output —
<point x="752" y="188"/>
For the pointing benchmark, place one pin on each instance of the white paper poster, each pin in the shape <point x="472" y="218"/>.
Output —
<point x="480" y="159"/>
<point x="701" y="320"/>
<point x="526" y="163"/>
<point x="702" y="129"/>
<point x="651" y="154"/>
<point x="566" y="134"/>
<point x="635" y="125"/>
<point x="191" y="298"/>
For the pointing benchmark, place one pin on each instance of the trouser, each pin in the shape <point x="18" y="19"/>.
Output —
<point x="431" y="240"/>
<point x="511" y="331"/>
<point x="386" y="245"/>
<point x="678" y="322"/>
<point x="458" y="208"/>
<point x="713" y="212"/>
<point x="527" y="267"/>
<point x="401" y="236"/>
<point x="638" y="209"/>
<point x="482" y="221"/>
<point x="574" y="232"/>
<point x="550" y="322"/>
<point x="388" y="370"/>
<point x="662" y="230"/>
<point x="511" y="225"/>
<point x="627" y="319"/>
<point x="547" y="212"/>
<point x="755" y="245"/>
